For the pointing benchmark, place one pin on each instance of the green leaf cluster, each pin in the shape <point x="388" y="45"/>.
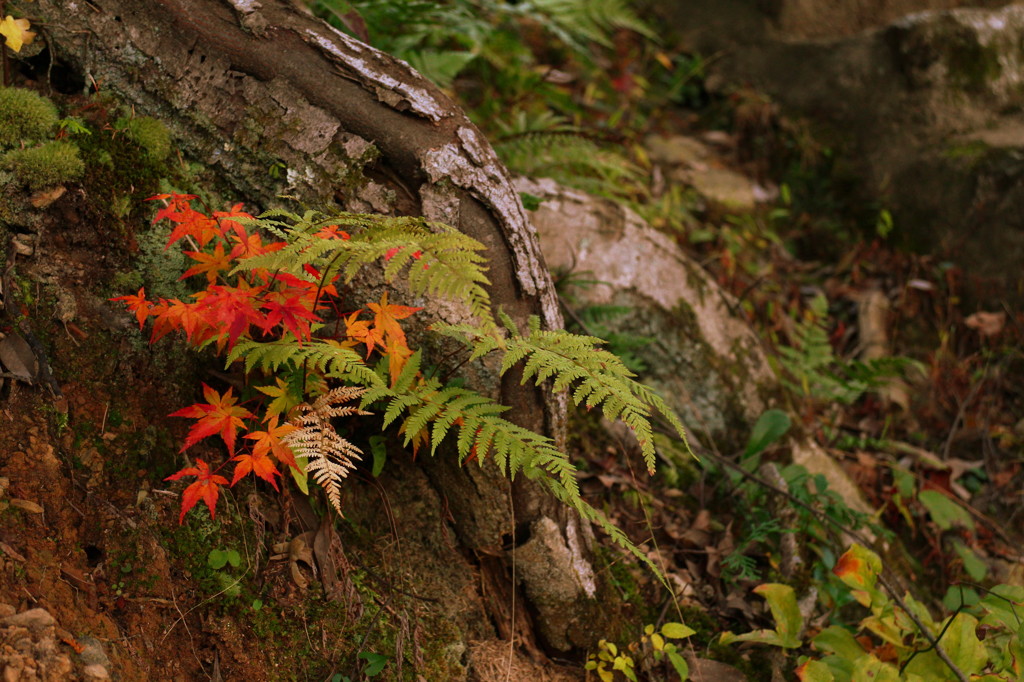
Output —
<point x="648" y="654"/>
<point x="893" y="645"/>
<point x="441" y="39"/>
<point x="570" y="158"/>
<point x="812" y="370"/>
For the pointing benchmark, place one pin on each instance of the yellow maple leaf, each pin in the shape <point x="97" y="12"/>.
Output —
<point x="16" y="32"/>
<point x="283" y="399"/>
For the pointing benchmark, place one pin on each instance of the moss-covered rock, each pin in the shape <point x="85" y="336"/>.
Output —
<point x="49" y="164"/>
<point x="151" y="135"/>
<point x="25" y="117"/>
<point x="702" y="357"/>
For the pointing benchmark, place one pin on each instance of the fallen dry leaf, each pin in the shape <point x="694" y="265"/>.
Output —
<point x="987" y="324"/>
<point x="17" y="357"/>
<point x="45" y="197"/>
<point x="27" y="506"/>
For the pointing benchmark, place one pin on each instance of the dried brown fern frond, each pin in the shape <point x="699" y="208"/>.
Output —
<point x="329" y="457"/>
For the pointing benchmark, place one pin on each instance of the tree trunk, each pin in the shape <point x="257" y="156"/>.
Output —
<point x="246" y="87"/>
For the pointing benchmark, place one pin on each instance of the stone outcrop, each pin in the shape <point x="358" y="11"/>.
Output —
<point x="703" y="358"/>
<point x="924" y="112"/>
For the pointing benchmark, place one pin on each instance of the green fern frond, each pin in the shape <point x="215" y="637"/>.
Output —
<point x="327" y="357"/>
<point x="577" y="364"/>
<point x="437" y="260"/>
<point x="482" y="432"/>
<point x="440" y="66"/>
<point x="480" y="342"/>
<point x="567" y="158"/>
<point x="576" y="22"/>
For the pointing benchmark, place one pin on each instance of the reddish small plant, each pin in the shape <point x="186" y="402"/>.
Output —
<point x="250" y="304"/>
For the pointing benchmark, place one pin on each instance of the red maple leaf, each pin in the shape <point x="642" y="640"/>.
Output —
<point x="192" y="224"/>
<point x="175" y="208"/>
<point x="232" y="309"/>
<point x="206" y="488"/>
<point x="294" y="313"/>
<point x="227" y="224"/>
<point x="218" y="415"/>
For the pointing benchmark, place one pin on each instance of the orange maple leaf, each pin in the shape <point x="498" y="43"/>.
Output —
<point x="206" y="488"/>
<point x="175" y="314"/>
<point x="218" y="415"/>
<point x="332" y="232"/>
<point x="137" y="304"/>
<point x="269" y="442"/>
<point x="261" y="465"/>
<point x="360" y="331"/>
<point x="386" y="317"/>
<point x="210" y="263"/>
<point x="385" y="320"/>
<point x="398" y="354"/>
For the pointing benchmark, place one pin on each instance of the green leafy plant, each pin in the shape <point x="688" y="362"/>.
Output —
<point x="650" y="653"/>
<point x="263" y="308"/>
<point x="219" y="560"/>
<point x="812" y="370"/>
<point x="518" y="88"/>
<point x="900" y="639"/>
<point x="375" y="664"/>
<point x="599" y="319"/>
<point x="816" y="509"/>
<point x="442" y="38"/>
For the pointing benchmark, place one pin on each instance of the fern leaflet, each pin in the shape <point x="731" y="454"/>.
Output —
<point x="329" y="457"/>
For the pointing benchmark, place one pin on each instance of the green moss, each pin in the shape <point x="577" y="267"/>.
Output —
<point x="53" y="163"/>
<point x="151" y="135"/>
<point x="25" y="117"/>
<point x="971" y="65"/>
<point x="972" y="151"/>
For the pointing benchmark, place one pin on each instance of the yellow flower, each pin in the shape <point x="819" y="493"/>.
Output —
<point x="16" y="32"/>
